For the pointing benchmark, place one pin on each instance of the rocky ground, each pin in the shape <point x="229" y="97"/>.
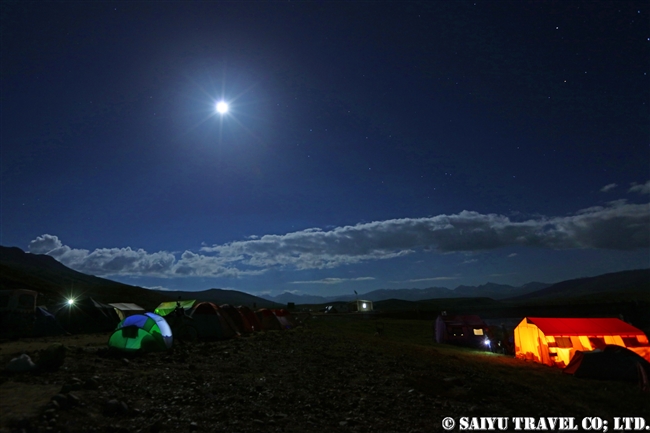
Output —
<point x="301" y="380"/>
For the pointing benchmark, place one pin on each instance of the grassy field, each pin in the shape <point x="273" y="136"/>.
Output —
<point x="489" y="381"/>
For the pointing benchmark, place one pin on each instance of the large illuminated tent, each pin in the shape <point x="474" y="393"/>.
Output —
<point x="211" y="322"/>
<point x="554" y="341"/>
<point x="86" y="316"/>
<point x="142" y="332"/>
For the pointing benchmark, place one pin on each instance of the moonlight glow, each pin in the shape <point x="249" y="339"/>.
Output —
<point x="222" y="107"/>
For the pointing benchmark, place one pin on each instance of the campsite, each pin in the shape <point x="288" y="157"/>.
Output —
<point x="333" y="374"/>
<point x="211" y="364"/>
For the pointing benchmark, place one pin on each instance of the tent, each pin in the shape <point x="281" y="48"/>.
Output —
<point x="17" y="308"/>
<point x="45" y="324"/>
<point x="611" y="363"/>
<point x="250" y="316"/>
<point x="241" y="323"/>
<point x="166" y="308"/>
<point x="554" y="341"/>
<point x="268" y="320"/>
<point x="86" y="316"/>
<point x="142" y="332"/>
<point x="210" y="322"/>
<point x="462" y="330"/>
<point x="285" y="319"/>
<point x="124" y="309"/>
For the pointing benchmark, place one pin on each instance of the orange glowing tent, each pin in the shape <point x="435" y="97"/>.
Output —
<point x="554" y="341"/>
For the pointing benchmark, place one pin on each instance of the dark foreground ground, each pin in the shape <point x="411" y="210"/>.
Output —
<point x="332" y="377"/>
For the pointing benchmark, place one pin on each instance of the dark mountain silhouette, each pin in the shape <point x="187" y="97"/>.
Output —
<point x="222" y="296"/>
<point x="55" y="281"/>
<point x="497" y="291"/>
<point x="287" y="297"/>
<point x="488" y="290"/>
<point x="633" y="284"/>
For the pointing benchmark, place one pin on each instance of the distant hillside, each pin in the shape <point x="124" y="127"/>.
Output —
<point x="220" y="297"/>
<point x="44" y="274"/>
<point x="488" y="290"/>
<point x="287" y="297"/>
<point x="632" y="285"/>
<point x="497" y="291"/>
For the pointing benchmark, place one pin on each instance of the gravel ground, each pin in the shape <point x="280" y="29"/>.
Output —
<point x="293" y="381"/>
<point x="303" y="380"/>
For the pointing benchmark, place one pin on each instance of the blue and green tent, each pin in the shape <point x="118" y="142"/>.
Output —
<point x="147" y="332"/>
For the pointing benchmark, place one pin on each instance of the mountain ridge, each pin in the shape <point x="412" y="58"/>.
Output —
<point x="490" y="290"/>
<point x="54" y="280"/>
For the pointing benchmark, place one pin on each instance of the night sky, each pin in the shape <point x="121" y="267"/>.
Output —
<point x="367" y="144"/>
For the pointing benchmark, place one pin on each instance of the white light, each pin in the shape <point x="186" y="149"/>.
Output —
<point x="222" y="107"/>
<point x="363" y="305"/>
<point x="70" y="301"/>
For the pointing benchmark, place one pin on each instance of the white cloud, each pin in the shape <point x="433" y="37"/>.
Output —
<point x="512" y="255"/>
<point x="641" y="189"/>
<point x="608" y="187"/>
<point x="618" y="226"/>
<point x="161" y="288"/>
<point x="332" y="280"/>
<point x="129" y="262"/>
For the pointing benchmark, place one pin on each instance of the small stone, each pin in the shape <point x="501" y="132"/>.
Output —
<point x="73" y="400"/>
<point x="61" y="399"/>
<point x="52" y="358"/>
<point x="156" y="427"/>
<point x="194" y="426"/>
<point x="20" y="364"/>
<point x="115" y="407"/>
<point x="91" y="383"/>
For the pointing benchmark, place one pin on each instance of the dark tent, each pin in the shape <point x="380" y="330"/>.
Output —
<point x="467" y="330"/>
<point x="268" y="320"/>
<point x="611" y="363"/>
<point x="210" y="323"/>
<point x="17" y="309"/>
<point x="45" y="324"/>
<point x="87" y="316"/>
<point x="237" y="318"/>
<point x="285" y="318"/>
<point x="250" y="316"/>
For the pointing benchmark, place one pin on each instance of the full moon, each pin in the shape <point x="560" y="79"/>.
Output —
<point x="222" y="107"/>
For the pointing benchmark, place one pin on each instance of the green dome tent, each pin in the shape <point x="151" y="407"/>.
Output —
<point x="146" y="332"/>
